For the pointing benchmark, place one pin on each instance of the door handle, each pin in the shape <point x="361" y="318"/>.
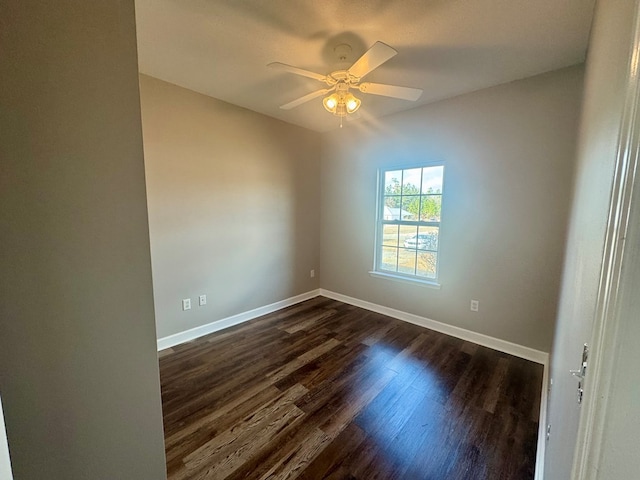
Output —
<point x="581" y="373"/>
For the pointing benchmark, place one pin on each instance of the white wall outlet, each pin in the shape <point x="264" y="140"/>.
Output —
<point x="186" y="304"/>
<point x="202" y="300"/>
<point x="312" y="273"/>
<point x="475" y="305"/>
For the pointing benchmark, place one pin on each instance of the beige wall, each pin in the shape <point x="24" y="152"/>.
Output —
<point x="233" y="206"/>
<point x="605" y="82"/>
<point x="508" y="153"/>
<point x="78" y="363"/>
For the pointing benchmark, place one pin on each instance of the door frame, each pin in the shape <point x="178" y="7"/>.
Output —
<point x="607" y="321"/>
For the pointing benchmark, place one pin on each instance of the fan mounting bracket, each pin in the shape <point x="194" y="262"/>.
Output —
<point x="343" y="52"/>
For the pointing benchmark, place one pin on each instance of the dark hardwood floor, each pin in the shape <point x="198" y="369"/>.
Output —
<point x="327" y="390"/>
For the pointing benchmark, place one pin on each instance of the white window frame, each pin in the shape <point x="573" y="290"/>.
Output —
<point x="380" y="222"/>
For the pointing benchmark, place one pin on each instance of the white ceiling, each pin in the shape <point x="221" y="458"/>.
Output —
<point x="446" y="47"/>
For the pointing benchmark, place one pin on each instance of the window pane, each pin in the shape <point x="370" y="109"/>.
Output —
<point x="406" y="232"/>
<point x="390" y="235"/>
<point x="389" y="260"/>
<point x="428" y="238"/>
<point x="431" y="207"/>
<point x="432" y="179"/>
<point x="407" y="261"/>
<point x="426" y="265"/>
<point x="391" y="209"/>
<point x="411" y="181"/>
<point x="410" y="207"/>
<point x="392" y="182"/>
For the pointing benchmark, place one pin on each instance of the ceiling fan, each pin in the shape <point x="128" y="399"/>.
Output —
<point x="342" y="102"/>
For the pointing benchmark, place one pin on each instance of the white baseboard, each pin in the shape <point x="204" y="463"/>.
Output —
<point x="193" y="333"/>
<point x="527" y="353"/>
<point x="458" y="332"/>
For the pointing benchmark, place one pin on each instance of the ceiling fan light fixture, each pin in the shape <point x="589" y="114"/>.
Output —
<point x="341" y="104"/>
<point x="352" y="103"/>
<point x="331" y="103"/>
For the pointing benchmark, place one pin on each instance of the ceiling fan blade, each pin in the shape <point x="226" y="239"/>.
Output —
<point x="394" y="91"/>
<point x="298" y="71"/>
<point x="306" y="98"/>
<point x="372" y="59"/>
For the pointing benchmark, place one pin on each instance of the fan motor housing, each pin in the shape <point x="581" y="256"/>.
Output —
<point x="341" y="76"/>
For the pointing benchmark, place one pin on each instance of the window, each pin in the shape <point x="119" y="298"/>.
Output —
<point x="409" y="207"/>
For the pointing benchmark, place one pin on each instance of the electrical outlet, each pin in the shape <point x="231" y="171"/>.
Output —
<point x="202" y="300"/>
<point x="312" y="273"/>
<point x="475" y="305"/>
<point x="186" y="304"/>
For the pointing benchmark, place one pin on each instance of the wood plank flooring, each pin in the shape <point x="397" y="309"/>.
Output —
<point x="325" y="390"/>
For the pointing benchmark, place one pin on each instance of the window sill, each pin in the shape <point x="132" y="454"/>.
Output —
<point x="403" y="279"/>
